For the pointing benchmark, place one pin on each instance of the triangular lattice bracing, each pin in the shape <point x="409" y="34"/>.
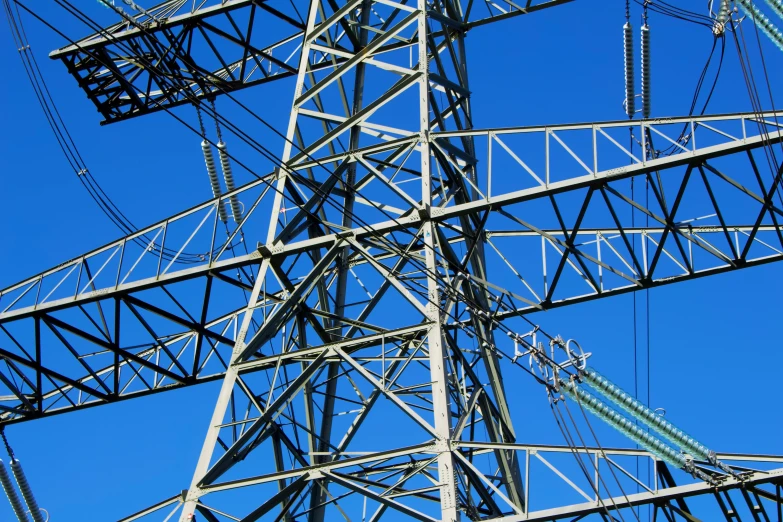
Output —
<point x="358" y="315"/>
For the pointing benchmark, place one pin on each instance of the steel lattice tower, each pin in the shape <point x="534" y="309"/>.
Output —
<point x="363" y="341"/>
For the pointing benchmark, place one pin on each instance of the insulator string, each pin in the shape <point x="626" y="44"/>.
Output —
<point x="645" y="52"/>
<point x="630" y="96"/>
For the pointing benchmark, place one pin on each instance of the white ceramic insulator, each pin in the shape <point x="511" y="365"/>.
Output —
<point x="645" y="71"/>
<point x="723" y="12"/>
<point x="10" y="492"/>
<point x="27" y="492"/>
<point x="630" y="100"/>
<point x="228" y="176"/>
<point x="214" y="181"/>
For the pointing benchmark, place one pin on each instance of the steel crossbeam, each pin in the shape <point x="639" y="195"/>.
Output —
<point x="401" y="239"/>
<point x="45" y="390"/>
<point x="212" y="48"/>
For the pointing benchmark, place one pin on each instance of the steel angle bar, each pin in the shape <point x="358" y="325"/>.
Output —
<point x="389" y="275"/>
<point x="120" y="91"/>
<point x="370" y="457"/>
<point x="348" y="345"/>
<point x="366" y="233"/>
<point x="229" y="458"/>
<point x="402" y="508"/>
<point x="176" y="499"/>
<point x="367" y="51"/>
<point x="387" y="392"/>
<point x="297" y="296"/>
<point x="646" y="497"/>
<point x="444" y="214"/>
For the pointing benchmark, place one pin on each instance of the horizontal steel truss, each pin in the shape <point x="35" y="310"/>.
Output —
<point x="191" y="53"/>
<point x="301" y="327"/>
<point x="46" y="326"/>
<point x="758" y="493"/>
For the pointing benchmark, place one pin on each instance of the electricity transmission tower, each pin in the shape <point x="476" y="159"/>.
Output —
<point x="394" y="260"/>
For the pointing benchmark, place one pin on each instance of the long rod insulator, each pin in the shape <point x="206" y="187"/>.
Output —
<point x="209" y="160"/>
<point x="724" y="12"/>
<point x="10" y="492"/>
<point x="763" y="23"/>
<point x="27" y="492"/>
<point x="646" y="415"/>
<point x="777" y="6"/>
<point x="651" y="419"/>
<point x="601" y="410"/>
<point x="630" y="99"/>
<point x="228" y="176"/>
<point x="645" y="71"/>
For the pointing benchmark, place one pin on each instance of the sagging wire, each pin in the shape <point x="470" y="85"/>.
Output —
<point x="549" y="374"/>
<point x="601" y="449"/>
<point x="67" y="143"/>
<point x="574" y="449"/>
<point x="685" y="135"/>
<point x="755" y="99"/>
<point x="327" y="198"/>
<point x="167" y="253"/>
<point x="663" y="8"/>
<point x="573" y="385"/>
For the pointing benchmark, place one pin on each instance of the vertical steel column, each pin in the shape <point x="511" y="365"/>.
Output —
<point x="438" y="369"/>
<point x="318" y="494"/>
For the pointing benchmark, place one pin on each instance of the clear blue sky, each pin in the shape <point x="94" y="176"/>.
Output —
<point x="715" y="342"/>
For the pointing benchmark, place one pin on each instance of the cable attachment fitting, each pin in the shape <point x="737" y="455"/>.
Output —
<point x="523" y="340"/>
<point x="712" y="458"/>
<point x="7" y="446"/>
<point x="540" y="367"/>
<point x="576" y="356"/>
